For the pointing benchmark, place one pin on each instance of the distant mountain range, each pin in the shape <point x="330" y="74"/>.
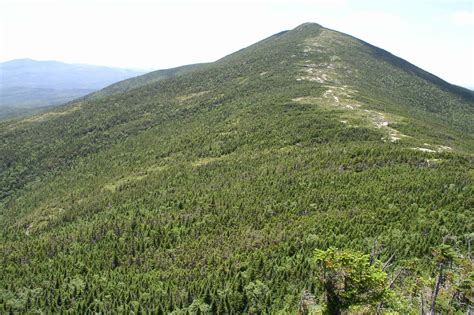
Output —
<point x="27" y="84"/>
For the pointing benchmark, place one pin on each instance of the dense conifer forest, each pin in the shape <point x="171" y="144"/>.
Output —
<point x="309" y="173"/>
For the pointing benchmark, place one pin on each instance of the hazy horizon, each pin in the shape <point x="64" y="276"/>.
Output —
<point x="130" y="68"/>
<point x="76" y="63"/>
<point x="152" y="35"/>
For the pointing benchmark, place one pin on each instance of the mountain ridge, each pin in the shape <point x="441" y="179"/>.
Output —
<point x="400" y="62"/>
<point x="27" y="84"/>
<point x="213" y="186"/>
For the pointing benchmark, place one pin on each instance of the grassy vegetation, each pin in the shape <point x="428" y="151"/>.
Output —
<point x="210" y="189"/>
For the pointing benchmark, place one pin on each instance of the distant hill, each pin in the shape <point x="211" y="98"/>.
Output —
<point x="207" y="189"/>
<point x="27" y="84"/>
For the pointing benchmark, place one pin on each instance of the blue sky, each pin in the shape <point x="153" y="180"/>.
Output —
<point x="436" y="35"/>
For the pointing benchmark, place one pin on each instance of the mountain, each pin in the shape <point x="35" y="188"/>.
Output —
<point x="26" y="84"/>
<point x="151" y="77"/>
<point x="207" y="189"/>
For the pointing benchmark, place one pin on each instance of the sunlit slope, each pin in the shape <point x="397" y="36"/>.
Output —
<point x="145" y="79"/>
<point x="309" y="65"/>
<point x="198" y="184"/>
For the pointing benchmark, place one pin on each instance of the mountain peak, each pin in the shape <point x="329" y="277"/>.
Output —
<point x="308" y="26"/>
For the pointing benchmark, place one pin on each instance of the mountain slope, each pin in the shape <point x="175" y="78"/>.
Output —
<point x="148" y="78"/>
<point x="26" y="83"/>
<point x="204" y="185"/>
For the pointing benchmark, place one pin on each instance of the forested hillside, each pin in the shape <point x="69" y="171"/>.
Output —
<point x="227" y="187"/>
<point x="145" y="79"/>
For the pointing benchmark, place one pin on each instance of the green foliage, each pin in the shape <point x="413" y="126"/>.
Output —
<point x="197" y="307"/>
<point x="257" y="295"/>
<point x="349" y="279"/>
<point x="142" y="80"/>
<point x="210" y="189"/>
<point x="444" y="253"/>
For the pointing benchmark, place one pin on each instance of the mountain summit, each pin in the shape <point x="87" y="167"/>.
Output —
<point x="207" y="188"/>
